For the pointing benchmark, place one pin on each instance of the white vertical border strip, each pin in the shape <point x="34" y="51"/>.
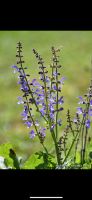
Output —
<point x="46" y="197"/>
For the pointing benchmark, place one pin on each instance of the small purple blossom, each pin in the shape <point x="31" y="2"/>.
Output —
<point x="59" y="122"/>
<point x="47" y="79"/>
<point x="20" y="100"/>
<point x="42" y="111"/>
<point x="55" y="74"/>
<point x="42" y="77"/>
<point x="60" y="109"/>
<point x="84" y="114"/>
<point x="24" y="113"/>
<point x="16" y="69"/>
<point x="90" y="112"/>
<point x="35" y="83"/>
<point x="52" y="116"/>
<point x="37" y="91"/>
<point x="51" y="108"/>
<point x="91" y="102"/>
<point x="36" y="123"/>
<point x="75" y="120"/>
<point x="81" y="100"/>
<point x="87" y="123"/>
<point x="29" y="124"/>
<point x="62" y="80"/>
<point x="32" y="134"/>
<point x="60" y="101"/>
<point x="41" y="98"/>
<point x="79" y="110"/>
<point x="52" y="100"/>
<point x="52" y="127"/>
<point x="54" y="87"/>
<point x="24" y="86"/>
<point x="42" y="132"/>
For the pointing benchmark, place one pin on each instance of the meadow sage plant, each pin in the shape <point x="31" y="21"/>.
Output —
<point x="45" y="95"/>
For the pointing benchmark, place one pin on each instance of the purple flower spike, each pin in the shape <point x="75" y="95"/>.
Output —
<point x="32" y="134"/>
<point x="87" y="123"/>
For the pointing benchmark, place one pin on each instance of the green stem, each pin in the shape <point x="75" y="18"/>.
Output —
<point x="70" y="148"/>
<point x="45" y="148"/>
<point x="85" y="142"/>
<point x="77" y="145"/>
<point x="56" y="147"/>
<point x="82" y="139"/>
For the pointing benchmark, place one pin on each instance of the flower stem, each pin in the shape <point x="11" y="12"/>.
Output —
<point x="56" y="147"/>
<point x="70" y="148"/>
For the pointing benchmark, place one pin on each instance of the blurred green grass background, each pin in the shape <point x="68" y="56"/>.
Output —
<point x="75" y="57"/>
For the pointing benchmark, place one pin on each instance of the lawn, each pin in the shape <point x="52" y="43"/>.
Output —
<point x="75" y="58"/>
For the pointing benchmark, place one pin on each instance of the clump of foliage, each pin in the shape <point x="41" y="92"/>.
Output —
<point x="44" y="96"/>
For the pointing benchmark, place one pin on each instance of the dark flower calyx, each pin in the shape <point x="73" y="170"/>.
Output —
<point x="40" y="62"/>
<point x="19" y="62"/>
<point x="42" y="67"/>
<point x="19" y="56"/>
<point x="40" y="72"/>
<point x="31" y="100"/>
<point x="19" y="50"/>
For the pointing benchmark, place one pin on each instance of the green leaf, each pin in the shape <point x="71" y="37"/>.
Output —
<point x="49" y="161"/>
<point x="33" y="162"/>
<point x="4" y="152"/>
<point x="77" y="157"/>
<point x="90" y="155"/>
<point x="12" y="155"/>
<point x="40" y="160"/>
